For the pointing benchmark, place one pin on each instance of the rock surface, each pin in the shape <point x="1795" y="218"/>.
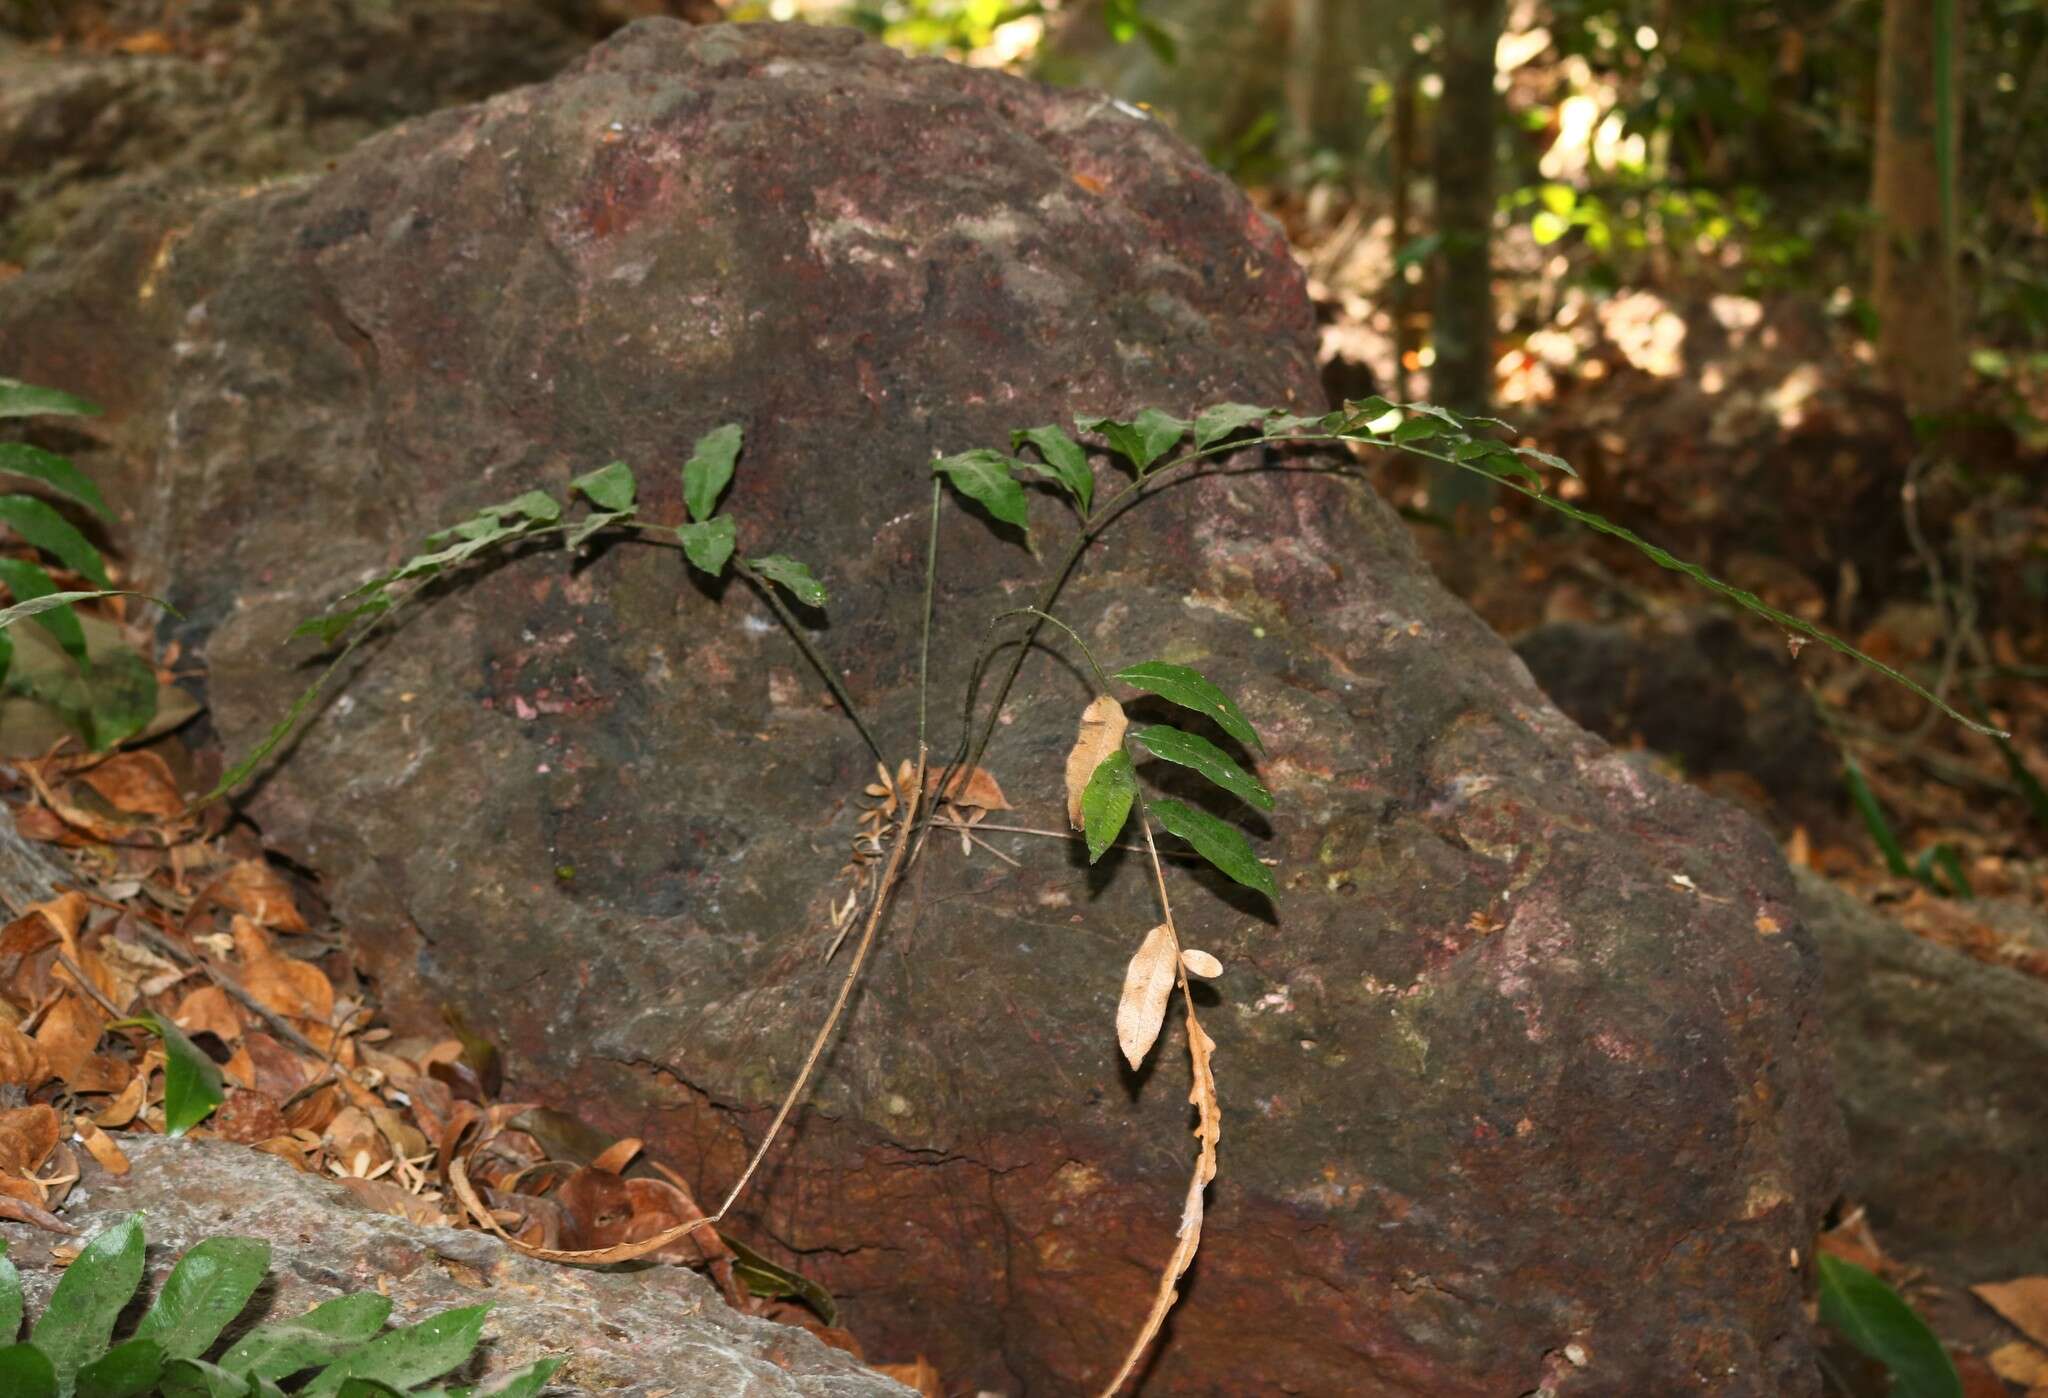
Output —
<point x="1525" y="1058"/>
<point x="658" y="1330"/>
<point x="239" y="91"/>
<point x="1939" y="1060"/>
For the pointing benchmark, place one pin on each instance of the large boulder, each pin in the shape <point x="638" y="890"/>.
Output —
<point x="1523" y="1084"/>
<point x="662" y="1331"/>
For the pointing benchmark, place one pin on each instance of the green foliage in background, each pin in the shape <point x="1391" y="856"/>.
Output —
<point x="339" y="1349"/>
<point x="74" y="667"/>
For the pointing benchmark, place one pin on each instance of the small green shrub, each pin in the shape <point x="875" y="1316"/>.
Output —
<point x="100" y="688"/>
<point x="71" y="1353"/>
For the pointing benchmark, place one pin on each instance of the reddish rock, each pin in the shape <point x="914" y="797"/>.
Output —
<point x="1526" y="1055"/>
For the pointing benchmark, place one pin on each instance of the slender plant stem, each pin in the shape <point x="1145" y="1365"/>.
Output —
<point x="931" y="579"/>
<point x="860" y="956"/>
<point x="803" y="643"/>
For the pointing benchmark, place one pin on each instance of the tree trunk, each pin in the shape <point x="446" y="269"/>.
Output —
<point x="1913" y="195"/>
<point x="1325" y="95"/>
<point x="1462" y="375"/>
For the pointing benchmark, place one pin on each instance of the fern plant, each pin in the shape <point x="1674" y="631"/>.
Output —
<point x="103" y="690"/>
<point x="1105" y="799"/>
<point x="339" y="1349"/>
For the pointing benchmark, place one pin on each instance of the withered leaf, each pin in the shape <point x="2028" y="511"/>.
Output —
<point x="458" y="1181"/>
<point x="208" y="1010"/>
<point x="2022" y="1301"/>
<point x="1200" y="963"/>
<point x="614" y="1158"/>
<point x="388" y="1197"/>
<point x="972" y="786"/>
<point x="296" y="989"/>
<point x="1148" y="982"/>
<point x="27" y="1136"/>
<point x="137" y="783"/>
<point x="920" y="1374"/>
<point x="101" y="1147"/>
<point x="69" y="1033"/>
<point x="1101" y="733"/>
<point x="23" y="1063"/>
<point x="255" y="889"/>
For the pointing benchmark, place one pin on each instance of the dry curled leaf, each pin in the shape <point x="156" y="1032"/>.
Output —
<point x="137" y="783"/>
<point x="101" y="1147"/>
<point x="2023" y="1301"/>
<point x="919" y="1374"/>
<point x="255" y="889"/>
<point x="2021" y="1363"/>
<point x="614" y="1159"/>
<point x="458" y="1181"/>
<point x="23" y="1063"/>
<point x="1148" y="982"/>
<point x="27" y="1136"/>
<point x="972" y="786"/>
<point x="1200" y="963"/>
<point x="1102" y="733"/>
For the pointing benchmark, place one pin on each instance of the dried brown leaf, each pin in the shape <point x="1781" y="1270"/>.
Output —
<point x="919" y="1374"/>
<point x="1148" y="982"/>
<point x="388" y="1197"/>
<point x="1200" y="963"/>
<point x="23" y="1063"/>
<point x="614" y="1159"/>
<point x="101" y="1147"/>
<point x="69" y="1033"/>
<point x="27" y="1136"/>
<point x="128" y="1105"/>
<point x="248" y="1116"/>
<point x="2023" y="1301"/>
<point x="972" y="786"/>
<point x="21" y="1211"/>
<point x="2020" y="1363"/>
<point x="1101" y="733"/>
<point x="254" y="888"/>
<point x="458" y="1181"/>
<point x="138" y="784"/>
<point x="208" y="1010"/>
<point x="281" y="984"/>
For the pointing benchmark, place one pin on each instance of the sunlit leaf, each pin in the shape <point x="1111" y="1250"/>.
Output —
<point x="985" y="477"/>
<point x="1148" y="983"/>
<point x="1198" y="754"/>
<point x="54" y="471"/>
<point x="1106" y="802"/>
<point x="1101" y="732"/>
<point x="1869" y="1315"/>
<point x="49" y="531"/>
<point x="708" y="544"/>
<point x="1141" y="441"/>
<point x="79" y="1320"/>
<point x="1069" y="462"/>
<point x="786" y="571"/>
<point x="1201" y="964"/>
<point x="609" y="487"/>
<point x="709" y="470"/>
<point x="1221" y="844"/>
<point x="1225" y="420"/>
<point x="409" y="1356"/>
<point x="128" y="1370"/>
<point x="282" y="1348"/>
<point x="28" y="582"/>
<point x="18" y="399"/>
<point x="1177" y="684"/>
<point x="208" y="1288"/>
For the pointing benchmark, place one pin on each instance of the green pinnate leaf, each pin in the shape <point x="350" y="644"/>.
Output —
<point x="334" y="625"/>
<point x="1223" y="845"/>
<point x="195" y="1378"/>
<point x="986" y="477"/>
<point x="609" y="487"/>
<point x="10" y="1299"/>
<point x="1546" y="460"/>
<point x="1106" y="802"/>
<point x="1141" y="441"/>
<point x="1177" y="684"/>
<point x="27" y="581"/>
<point x="709" y="471"/>
<point x="18" y="399"/>
<point x="128" y="1370"/>
<point x="54" y="471"/>
<point x="591" y="524"/>
<point x="1226" y="420"/>
<point x="322" y="1335"/>
<point x="780" y="568"/>
<point x="55" y="535"/>
<point x="1417" y="429"/>
<point x="406" y="1357"/>
<point x="520" y="1383"/>
<point x="208" y="1288"/>
<point x="1198" y="754"/>
<point x="708" y="544"/>
<point x="1872" y="1317"/>
<point x="79" y="1321"/>
<point x="26" y="1372"/>
<point x="1069" y="462"/>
